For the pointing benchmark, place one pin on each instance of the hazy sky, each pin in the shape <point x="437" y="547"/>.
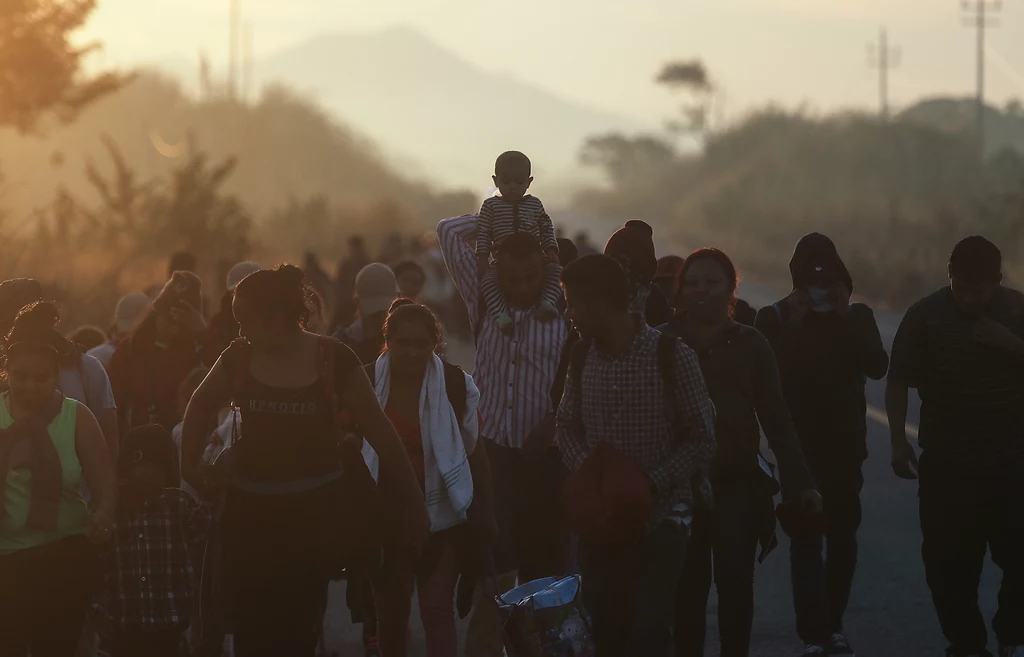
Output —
<point x="605" y="53"/>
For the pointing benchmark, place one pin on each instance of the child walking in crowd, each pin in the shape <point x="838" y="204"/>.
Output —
<point x="149" y="587"/>
<point x="508" y="212"/>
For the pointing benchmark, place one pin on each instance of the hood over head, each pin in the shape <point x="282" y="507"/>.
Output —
<point x="816" y="255"/>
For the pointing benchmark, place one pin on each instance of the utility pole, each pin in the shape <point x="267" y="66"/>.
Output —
<point x="233" y="28"/>
<point x="981" y="19"/>
<point x="884" y="58"/>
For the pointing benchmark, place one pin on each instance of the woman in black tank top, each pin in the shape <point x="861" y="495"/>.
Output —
<point x="295" y="507"/>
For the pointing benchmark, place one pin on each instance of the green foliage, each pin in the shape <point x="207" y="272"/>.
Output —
<point x="40" y="69"/>
<point x="895" y="196"/>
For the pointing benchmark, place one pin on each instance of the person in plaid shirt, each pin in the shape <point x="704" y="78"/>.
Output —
<point x="620" y="397"/>
<point x="148" y="591"/>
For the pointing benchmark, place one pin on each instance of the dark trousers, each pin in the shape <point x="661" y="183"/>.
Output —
<point x="160" y="643"/>
<point x="533" y="538"/>
<point x="44" y="595"/>
<point x="276" y="578"/>
<point x="631" y="592"/>
<point x="723" y="544"/>
<point x="961" y="518"/>
<point x="822" y="567"/>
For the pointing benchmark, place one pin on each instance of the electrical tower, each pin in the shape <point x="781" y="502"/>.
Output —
<point x="884" y="58"/>
<point x="981" y="17"/>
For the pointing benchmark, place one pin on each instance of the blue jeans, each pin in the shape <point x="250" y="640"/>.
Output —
<point x="630" y="593"/>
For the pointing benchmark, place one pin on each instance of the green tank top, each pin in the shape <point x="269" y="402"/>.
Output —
<point x="72" y="513"/>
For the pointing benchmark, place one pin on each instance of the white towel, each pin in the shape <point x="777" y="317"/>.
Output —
<point x="446" y="443"/>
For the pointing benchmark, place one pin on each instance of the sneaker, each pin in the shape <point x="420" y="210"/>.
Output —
<point x="1011" y="651"/>
<point x="839" y="645"/>
<point x="814" y="650"/>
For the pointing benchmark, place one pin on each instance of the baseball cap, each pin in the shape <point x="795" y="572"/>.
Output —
<point x="376" y="288"/>
<point x="128" y="311"/>
<point x="240" y="271"/>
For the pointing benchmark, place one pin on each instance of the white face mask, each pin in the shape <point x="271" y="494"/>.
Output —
<point x="821" y="299"/>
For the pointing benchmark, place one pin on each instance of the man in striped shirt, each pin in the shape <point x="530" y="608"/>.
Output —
<point x="514" y="373"/>
<point x="963" y="349"/>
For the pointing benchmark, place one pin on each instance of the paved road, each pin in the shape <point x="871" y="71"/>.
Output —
<point x="890" y="613"/>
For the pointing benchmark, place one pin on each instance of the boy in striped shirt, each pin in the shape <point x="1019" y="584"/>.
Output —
<point x="508" y="212"/>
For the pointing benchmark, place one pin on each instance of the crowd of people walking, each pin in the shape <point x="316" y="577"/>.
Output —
<point x="192" y="477"/>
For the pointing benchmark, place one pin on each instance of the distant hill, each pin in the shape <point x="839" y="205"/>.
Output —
<point x="1003" y="128"/>
<point x="422" y="103"/>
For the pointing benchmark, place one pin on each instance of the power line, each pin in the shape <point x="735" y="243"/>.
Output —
<point x="981" y="18"/>
<point x="884" y="58"/>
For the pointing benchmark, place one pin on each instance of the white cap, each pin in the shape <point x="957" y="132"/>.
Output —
<point x="376" y="288"/>
<point x="240" y="271"/>
<point x="129" y="310"/>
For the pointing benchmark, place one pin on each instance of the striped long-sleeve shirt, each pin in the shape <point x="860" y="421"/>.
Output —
<point x="514" y="373"/>
<point x="500" y="218"/>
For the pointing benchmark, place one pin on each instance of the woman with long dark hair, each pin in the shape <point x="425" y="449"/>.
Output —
<point x="743" y="380"/>
<point x="293" y="514"/>
<point x="148" y="366"/>
<point x="433" y="406"/>
<point x="48" y="442"/>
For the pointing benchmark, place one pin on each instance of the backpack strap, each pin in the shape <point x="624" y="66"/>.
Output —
<point x="578" y="358"/>
<point x="240" y="351"/>
<point x="669" y="381"/>
<point x="455" y="385"/>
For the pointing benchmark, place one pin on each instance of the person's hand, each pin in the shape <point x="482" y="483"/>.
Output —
<point x="810" y="502"/>
<point x="189" y="317"/>
<point x="799" y="302"/>
<point x="841" y="296"/>
<point x="100" y="527"/>
<point x="904" y="460"/>
<point x="552" y="255"/>
<point x="541" y="437"/>
<point x="990" y="332"/>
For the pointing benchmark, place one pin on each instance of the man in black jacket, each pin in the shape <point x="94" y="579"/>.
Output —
<point x="826" y="347"/>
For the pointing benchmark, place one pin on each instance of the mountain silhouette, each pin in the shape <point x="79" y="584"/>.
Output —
<point x="423" y="103"/>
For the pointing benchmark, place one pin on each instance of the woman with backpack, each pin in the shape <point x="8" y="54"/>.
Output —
<point x="298" y="499"/>
<point x="743" y="380"/>
<point x="49" y="443"/>
<point x="433" y="406"/>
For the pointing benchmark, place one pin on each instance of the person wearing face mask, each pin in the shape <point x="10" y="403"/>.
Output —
<point x="826" y="348"/>
<point x="742" y="376"/>
<point x="962" y="348"/>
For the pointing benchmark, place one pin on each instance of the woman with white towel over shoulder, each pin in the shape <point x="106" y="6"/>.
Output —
<point x="433" y="406"/>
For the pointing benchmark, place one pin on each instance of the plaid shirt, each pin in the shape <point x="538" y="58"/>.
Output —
<point x="621" y="400"/>
<point x="149" y="583"/>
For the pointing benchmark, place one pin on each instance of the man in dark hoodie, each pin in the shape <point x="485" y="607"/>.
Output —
<point x="826" y="347"/>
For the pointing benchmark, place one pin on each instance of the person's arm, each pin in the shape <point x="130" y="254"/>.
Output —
<point x="548" y="240"/>
<point x="120" y="384"/>
<point x="768" y="323"/>
<point x="99" y="471"/>
<point x="905" y="371"/>
<point x="775" y="419"/>
<point x="696" y="413"/>
<point x="481" y="512"/>
<point x="569" y="431"/>
<point x="200" y="421"/>
<point x="456" y="239"/>
<point x="867" y="341"/>
<point x="396" y="470"/>
<point x="485" y="229"/>
<point x="100" y="394"/>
